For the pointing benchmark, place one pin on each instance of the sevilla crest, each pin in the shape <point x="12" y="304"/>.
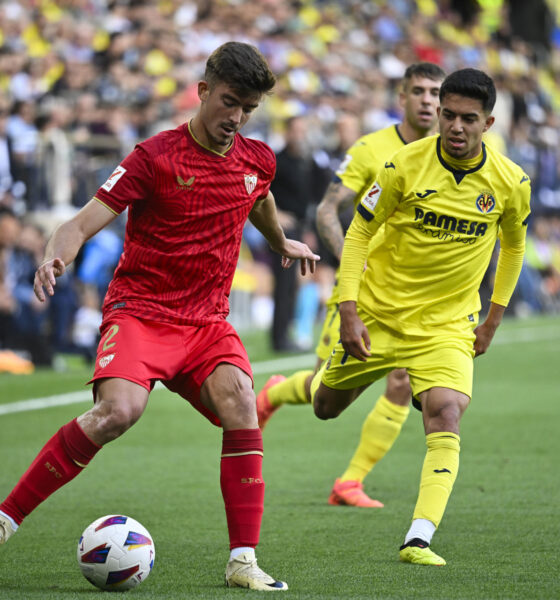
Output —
<point x="250" y="183"/>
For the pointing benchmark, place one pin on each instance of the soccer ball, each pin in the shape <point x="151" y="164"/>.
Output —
<point x="116" y="553"/>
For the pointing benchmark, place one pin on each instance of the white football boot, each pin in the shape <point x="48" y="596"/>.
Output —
<point x="243" y="571"/>
<point x="6" y="529"/>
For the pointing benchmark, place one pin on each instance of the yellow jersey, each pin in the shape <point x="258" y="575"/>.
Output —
<point x="363" y="161"/>
<point x="440" y="228"/>
<point x="366" y="157"/>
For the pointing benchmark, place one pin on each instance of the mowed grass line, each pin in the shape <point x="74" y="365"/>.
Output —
<point x="498" y="535"/>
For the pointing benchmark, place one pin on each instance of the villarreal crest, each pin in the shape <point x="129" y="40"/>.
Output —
<point x="485" y="202"/>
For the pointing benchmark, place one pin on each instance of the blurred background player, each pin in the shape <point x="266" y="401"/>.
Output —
<point x="419" y="99"/>
<point x="443" y="201"/>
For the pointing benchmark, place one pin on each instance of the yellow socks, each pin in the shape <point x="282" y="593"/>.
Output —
<point x="379" y="431"/>
<point x="438" y="476"/>
<point x="291" y="390"/>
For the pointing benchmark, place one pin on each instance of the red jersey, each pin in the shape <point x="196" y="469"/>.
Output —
<point x="187" y="208"/>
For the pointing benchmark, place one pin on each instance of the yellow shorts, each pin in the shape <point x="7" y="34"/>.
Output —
<point x="330" y="334"/>
<point x="444" y="360"/>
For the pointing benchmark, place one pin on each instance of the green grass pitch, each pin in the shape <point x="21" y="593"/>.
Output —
<point x="500" y="533"/>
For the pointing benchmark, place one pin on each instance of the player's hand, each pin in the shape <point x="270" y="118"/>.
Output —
<point x="354" y="335"/>
<point x="484" y="335"/>
<point x="294" y="250"/>
<point x="45" y="277"/>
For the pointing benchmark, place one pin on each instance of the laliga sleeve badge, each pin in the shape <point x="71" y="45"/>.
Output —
<point x="371" y="198"/>
<point x="113" y="178"/>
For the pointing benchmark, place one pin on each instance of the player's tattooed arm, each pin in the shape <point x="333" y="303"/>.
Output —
<point x="336" y="199"/>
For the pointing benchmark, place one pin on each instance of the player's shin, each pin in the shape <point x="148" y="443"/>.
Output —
<point x="242" y="485"/>
<point x="438" y="476"/>
<point x="62" y="458"/>
<point x="380" y="430"/>
<point x="290" y="391"/>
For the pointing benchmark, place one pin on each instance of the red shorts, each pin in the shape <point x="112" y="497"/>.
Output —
<point x="180" y="356"/>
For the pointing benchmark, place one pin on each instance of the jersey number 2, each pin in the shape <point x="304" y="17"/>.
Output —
<point x="113" y="330"/>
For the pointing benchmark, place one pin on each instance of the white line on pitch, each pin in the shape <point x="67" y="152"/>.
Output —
<point x="526" y="334"/>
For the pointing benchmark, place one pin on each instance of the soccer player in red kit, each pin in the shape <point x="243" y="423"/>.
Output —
<point x="188" y="192"/>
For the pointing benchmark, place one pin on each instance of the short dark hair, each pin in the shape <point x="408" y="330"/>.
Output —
<point x="241" y="66"/>
<point x="423" y="69"/>
<point x="471" y="83"/>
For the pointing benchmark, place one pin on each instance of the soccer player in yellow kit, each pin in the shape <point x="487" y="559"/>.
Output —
<point x="419" y="98"/>
<point x="443" y="202"/>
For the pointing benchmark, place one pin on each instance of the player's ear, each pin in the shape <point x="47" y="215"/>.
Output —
<point x="489" y="122"/>
<point x="402" y="98"/>
<point x="203" y="90"/>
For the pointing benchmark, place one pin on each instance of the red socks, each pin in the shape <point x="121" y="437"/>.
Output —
<point x="70" y="450"/>
<point x="60" y="460"/>
<point x="242" y="485"/>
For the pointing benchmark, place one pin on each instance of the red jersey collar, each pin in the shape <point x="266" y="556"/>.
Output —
<point x="204" y="149"/>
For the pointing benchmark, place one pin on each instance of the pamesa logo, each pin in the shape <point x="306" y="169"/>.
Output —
<point x="448" y="228"/>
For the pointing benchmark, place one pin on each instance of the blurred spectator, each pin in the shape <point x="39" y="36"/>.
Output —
<point x="543" y="264"/>
<point x="100" y="257"/>
<point x="6" y="161"/>
<point x="54" y="159"/>
<point x="21" y="322"/>
<point x="85" y="331"/>
<point x="29" y="322"/>
<point x="297" y="188"/>
<point x="23" y="137"/>
<point x="9" y="232"/>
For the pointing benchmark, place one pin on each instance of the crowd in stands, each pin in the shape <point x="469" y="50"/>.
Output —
<point x="81" y="81"/>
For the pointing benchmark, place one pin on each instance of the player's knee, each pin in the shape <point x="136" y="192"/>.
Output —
<point x="445" y="416"/>
<point x="398" y="387"/>
<point x="244" y="403"/>
<point x="320" y="411"/>
<point x="237" y="410"/>
<point x="323" y="408"/>
<point x="111" y="419"/>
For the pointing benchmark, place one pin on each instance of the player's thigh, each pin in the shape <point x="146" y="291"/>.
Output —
<point x="344" y="377"/>
<point x="397" y="390"/>
<point x="328" y="403"/>
<point x="330" y="333"/>
<point x="228" y="393"/>
<point x="218" y="377"/>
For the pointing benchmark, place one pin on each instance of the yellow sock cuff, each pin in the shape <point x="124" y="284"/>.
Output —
<point x="444" y="439"/>
<point x="291" y="390"/>
<point x="391" y="410"/>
